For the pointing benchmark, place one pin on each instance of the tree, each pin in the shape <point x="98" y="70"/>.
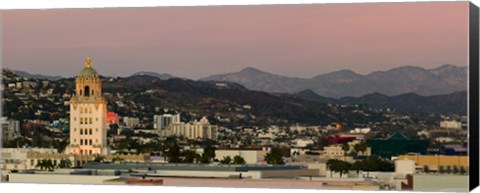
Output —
<point x="226" y="160"/>
<point x="274" y="156"/>
<point x="338" y="166"/>
<point x="357" y="166"/>
<point x="189" y="156"/>
<point x="376" y="164"/>
<point x="173" y="153"/>
<point x="345" y="148"/>
<point x="65" y="164"/>
<point x="356" y="149"/>
<point x="99" y="158"/>
<point x="115" y="159"/>
<point x="426" y="169"/>
<point x="238" y="160"/>
<point x="363" y="147"/>
<point x="45" y="165"/>
<point x="209" y="152"/>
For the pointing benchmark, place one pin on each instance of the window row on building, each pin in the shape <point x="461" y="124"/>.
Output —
<point x="87" y="120"/>
<point x="87" y="141"/>
<point x="87" y="131"/>
<point x="85" y="110"/>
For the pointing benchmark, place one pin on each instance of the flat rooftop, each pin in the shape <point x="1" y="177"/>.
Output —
<point x="186" y="167"/>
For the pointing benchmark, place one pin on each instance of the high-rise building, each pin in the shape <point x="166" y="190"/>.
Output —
<point x="10" y="128"/>
<point x="191" y="130"/>
<point x="163" y="121"/>
<point x="88" y="114"/>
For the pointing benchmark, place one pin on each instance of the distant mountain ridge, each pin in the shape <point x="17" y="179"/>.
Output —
<point x="410" y="103"/>
<point x="408" y="79"/>
<point x="163" y="76"/>
<point x="36" y="76"/>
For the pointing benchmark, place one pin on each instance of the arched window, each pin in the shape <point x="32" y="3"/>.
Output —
<point x="81" y="131"/>
<point x="93" y="92"/>
<point x="81" y="93"/>
<point x="87" y="91"/>
<point x="81" y="141"/>
<point x="90" y="142"/>
<point x="90" y="131"/>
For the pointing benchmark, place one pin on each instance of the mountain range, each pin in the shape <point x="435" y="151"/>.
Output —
<point x="408" y="79"/>
<point x="410" y="103"/>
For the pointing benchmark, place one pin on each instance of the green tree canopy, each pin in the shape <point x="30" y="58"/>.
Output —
<point x="274" y="156"/>
<point x="238" y="160"/>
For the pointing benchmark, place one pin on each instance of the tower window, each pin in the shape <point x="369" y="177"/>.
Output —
<point x="81" y="121"/>
<point x="93" y="92"/>
<point x="81" y="141"/>
<point x="90" y="142"/>
<point x="87" y="91"/>
<point x="81" y="131"/>
<point x="90" y="120"/>
<point x="90" y="131"/>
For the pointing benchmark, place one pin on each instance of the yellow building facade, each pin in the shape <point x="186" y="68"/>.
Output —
<point x="435" y="161"/>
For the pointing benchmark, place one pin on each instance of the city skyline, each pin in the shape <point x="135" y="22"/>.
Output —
<point x="175" y="42"/>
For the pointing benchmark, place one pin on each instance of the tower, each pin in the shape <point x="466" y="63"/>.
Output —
<point x="88" y="114"/>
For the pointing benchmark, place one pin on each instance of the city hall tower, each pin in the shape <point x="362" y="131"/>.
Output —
<point x="88" y="114"/>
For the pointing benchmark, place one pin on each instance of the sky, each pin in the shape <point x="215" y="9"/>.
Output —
<point x="195" y="42"/>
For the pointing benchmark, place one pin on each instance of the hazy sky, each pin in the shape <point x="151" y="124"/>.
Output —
<point x="194" y="42"/>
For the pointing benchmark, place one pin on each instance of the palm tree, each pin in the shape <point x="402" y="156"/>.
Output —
<point x="357" y="166"/>
<point x="345" y="148"/>
<point x="338" y="166"/>
<point x="45" y="165"/>
<point x="65" y="164"/>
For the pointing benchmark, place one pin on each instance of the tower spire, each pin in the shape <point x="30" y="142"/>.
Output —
<point x="88" y="63"/>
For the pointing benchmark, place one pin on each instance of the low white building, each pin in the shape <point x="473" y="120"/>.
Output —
<point x="335" y="151"/>
<point x="404" y="167"/>
<point x="451" y="124"/>
<point x="192" y="130"/>
<point x="302" y="142"/>
<point x="131" y="122"/>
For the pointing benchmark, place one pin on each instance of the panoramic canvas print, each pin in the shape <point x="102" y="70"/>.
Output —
<point x="321" y="96"/>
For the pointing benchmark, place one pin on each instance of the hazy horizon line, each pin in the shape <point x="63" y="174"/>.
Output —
<point x="243" y="68"/>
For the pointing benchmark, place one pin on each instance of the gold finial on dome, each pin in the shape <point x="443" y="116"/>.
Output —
<point x="88" y="63"/>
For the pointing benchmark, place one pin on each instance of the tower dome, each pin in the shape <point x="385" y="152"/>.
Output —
<point x="88" y="70"/>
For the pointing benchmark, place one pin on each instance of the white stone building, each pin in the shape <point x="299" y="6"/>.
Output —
<point x="88" y="115"/>
<point x="192" y="130"/>
<point x="163" y="121"/>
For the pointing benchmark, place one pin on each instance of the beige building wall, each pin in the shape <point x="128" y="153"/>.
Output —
<point x="404" y="166"/>
<point x="320" y="167"/>
<point x="250" y="156"/>
<point x="50" y="178"/>
<point x="440" y="183"/>
<point x="435" y="161"/>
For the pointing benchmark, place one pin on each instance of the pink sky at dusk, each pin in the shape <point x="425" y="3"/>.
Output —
<point x="195" y="42"/>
